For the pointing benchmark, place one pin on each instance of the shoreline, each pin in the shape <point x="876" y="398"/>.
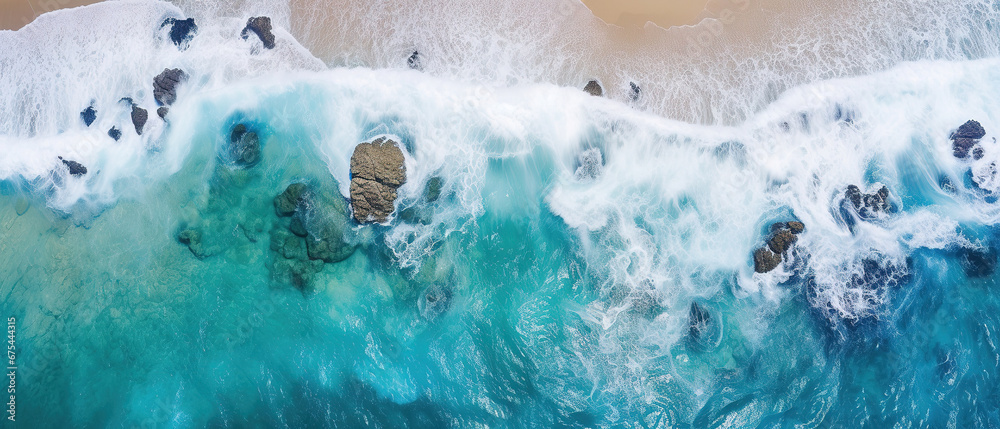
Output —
<point x="19" y="13"/>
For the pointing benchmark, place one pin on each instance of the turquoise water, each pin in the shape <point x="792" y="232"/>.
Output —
<point x="585" y="264"/>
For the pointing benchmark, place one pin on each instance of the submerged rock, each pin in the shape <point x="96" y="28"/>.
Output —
<point x="192" y="238"/>
<point x="978" y="263"/>
<point x="433" y="190"/>
<point x="75" y="168"/>
<point x="594" y="88"/>
<point x="181" y="31"/>
<point x="377" y="170"/>
<point x="320" y="218"/>
<point x="165" y="86"/>
<point x="965" y="137"/>
<point x="435" y="300"/>
<point x="244" y="146"/>
<point x="415" y="62"/>
<point x="590" y="163"/>
<point x="89" y="115"/>
<point x="115" y="133"/>
<point x="139" y="117"/>
<point x="261" y="26"/>
<point x="288" y="201"/>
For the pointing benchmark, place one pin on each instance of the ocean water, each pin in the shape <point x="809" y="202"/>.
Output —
<point x="554" y="260"/>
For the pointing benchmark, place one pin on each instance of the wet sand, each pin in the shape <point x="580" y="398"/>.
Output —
<point x="15" y="14"/>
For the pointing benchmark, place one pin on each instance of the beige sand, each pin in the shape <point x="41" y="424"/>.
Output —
<point x="635" y="13"/>
<point x="15" y="14"/>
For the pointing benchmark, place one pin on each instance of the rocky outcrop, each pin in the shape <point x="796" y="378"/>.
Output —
<point x="782" y="239"/>
<point x="965" y="137"/>
<point x="868" y="205"/>
<point x="181" y="31"/>
<point x="765" y="260"/>
<point x="162" y="112"/>
<point x="89" y="115"/>
<point x="594" y="88"/>
<point x="165" y="86"/>
<point x="115" y="133"/>
<point x="139" y="117"/>
<point x="377" y="171"/>
<point x="75" y="168"/>
<point x="244" y="146"/>
<point x="415" y="61"/>
<point x="261" y="26"/>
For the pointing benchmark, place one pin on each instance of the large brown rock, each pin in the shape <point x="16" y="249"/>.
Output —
<point x="377" y="170"/>
<point x="765" y="260"/>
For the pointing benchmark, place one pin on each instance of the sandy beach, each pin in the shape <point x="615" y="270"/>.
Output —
<point x="15" y="14"/>
<point x="635" y="13"/>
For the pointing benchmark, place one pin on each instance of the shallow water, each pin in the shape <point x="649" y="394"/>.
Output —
<point x="555" y="279"/>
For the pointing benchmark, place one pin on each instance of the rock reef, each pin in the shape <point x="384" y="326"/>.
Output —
<point x="782" y="238"/>
<point x="261" y="26"/>
<point x="377" y="171"/>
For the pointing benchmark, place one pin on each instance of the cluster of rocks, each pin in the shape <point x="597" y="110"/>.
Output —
<point x="260" y="26"/>
<point x="783" y="237"/>
<point x="868" y="205"/>
<point x="967" y="138"/>
<point x="311" y="230"/>
<point x="377" y="171"/>
<point x="165" y="89"/>
<point x="593" y="87"/>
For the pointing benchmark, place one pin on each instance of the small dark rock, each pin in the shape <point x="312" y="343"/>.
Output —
<point x="89" y="115"/>
<point x="165" y="86"/>
<point x="866" y="205"/>
<point x="796" y="227"/>
<point x="261" y="26"/>
<point x="764" y="260"/>
<point x="415" y="62"/>
<point x="969" y="130"/>
<point x="288" y="201"/>
<point x="115" y="133"/>
<point x="181" y="31"/>
<point x="781" y="241"/>
<point x="978" y="153"/>
<point x="635" y="93"/>
<point x="139" y="117"/>
<point x="162" y="112"/>
<point x="75" y="168"/>
<point x="594" y="88"/>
